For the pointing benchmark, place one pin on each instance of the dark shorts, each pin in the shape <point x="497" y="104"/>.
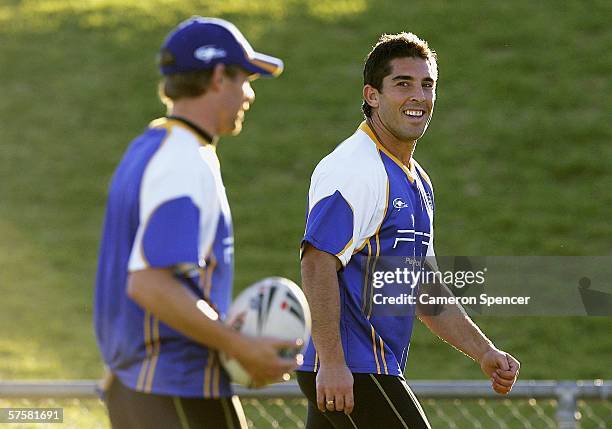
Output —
<point x="381" y="401"/>
<point x="129" y="409"/>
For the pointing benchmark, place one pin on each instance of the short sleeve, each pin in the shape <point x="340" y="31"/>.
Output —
<point x="173" y="196"/>
<point x="342" y="211"/>
<point x="171" y="234"/>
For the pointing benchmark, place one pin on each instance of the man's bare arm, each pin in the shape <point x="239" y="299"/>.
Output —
<point x="320" y="284"/>
<point x="453" y="325"/>
<point x="157" y="291"/>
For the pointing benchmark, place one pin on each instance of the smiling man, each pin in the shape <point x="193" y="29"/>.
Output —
<point x="370" y="199"/>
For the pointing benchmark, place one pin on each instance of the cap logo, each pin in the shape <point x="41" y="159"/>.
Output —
<point x="208" y="53"/>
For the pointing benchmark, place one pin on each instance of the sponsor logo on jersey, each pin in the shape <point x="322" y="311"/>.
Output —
<point x="410" y="235"/>
<point x="399" y="204"/>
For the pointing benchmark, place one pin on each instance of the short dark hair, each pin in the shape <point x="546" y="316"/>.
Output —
<point x="189" y="84"/>
<point x="389" y="47"/>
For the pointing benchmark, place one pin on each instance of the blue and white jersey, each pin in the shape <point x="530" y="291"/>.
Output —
<point x="166" y="208"/>
<point x="364" y="204"/>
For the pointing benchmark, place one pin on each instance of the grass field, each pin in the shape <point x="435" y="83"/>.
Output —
<point x="518" y="149"/>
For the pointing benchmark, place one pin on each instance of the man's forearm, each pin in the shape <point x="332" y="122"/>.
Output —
<point x="454" y="326"/>
<point x="320" y="284"/>
<point x="157" y="291"/>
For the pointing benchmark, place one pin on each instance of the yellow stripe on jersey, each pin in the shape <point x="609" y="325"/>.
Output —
<point x="158" y="123"/>
<point x="207" y="371"/>
<point x="367" y="297"/>
<point x="149" y="351"/>
<point x="366" y="289"/>
<point x="409" y="171"/>
<point x="374" y="350"/>
<point x="366" y="129"/>
<point x="360" y="248"/>
<point x="206" y="282"/>
<point x="377" y="238"/>
<point x="208" y="272"/>
<point x="345" y="248"/>
<point x="154" y="357"/>
<point x="382" y="354"/>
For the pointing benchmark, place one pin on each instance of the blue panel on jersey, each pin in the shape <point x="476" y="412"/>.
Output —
<point x="329" y="226"/>
<point x="172" y="234"/>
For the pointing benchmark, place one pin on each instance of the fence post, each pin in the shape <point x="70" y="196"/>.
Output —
<point x="567" y="409"/>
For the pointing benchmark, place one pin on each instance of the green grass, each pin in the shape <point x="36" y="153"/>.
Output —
<point x="519" y="151"/>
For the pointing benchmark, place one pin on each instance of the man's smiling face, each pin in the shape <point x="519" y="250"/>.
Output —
<point x="406" y="100"/>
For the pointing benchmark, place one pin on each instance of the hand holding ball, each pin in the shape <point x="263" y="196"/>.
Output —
<point x="274" y="308"/>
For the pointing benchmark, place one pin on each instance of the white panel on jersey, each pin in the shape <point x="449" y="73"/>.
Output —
<point x="356" y="170"/>
<point x="209" y="155"/>
<point x="177" y="170"/>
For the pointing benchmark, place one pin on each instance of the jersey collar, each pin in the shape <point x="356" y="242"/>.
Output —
<point x="208" y="139"/>
<point x="201" y="136"/>
<point x="410" y="171"/>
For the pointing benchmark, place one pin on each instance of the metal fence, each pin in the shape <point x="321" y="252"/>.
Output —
<point x="449" y="404"/>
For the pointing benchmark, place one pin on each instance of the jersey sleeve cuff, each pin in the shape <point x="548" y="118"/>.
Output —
<point x="343" y="256"/>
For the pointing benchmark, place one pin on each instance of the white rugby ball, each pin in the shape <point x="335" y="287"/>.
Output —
<point x="274" y="307"/>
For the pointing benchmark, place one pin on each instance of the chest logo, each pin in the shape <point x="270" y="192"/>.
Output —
<point x="399" y="204"/>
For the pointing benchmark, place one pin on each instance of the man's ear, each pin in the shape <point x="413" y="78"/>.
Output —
<point x="218" y="76"/>
<point x="370" y="95"/>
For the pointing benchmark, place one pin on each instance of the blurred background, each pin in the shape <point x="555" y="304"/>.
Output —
<point x="519" y="151"/>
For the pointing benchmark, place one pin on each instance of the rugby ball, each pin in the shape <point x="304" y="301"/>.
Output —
<point x="274" y="307"/>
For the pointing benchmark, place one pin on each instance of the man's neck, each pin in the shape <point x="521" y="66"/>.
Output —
<point x="187" y="110"/>
<point x="401" y="149"/>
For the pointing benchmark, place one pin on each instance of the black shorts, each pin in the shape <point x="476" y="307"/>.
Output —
<point x="381" y="401"/>
<point x="129" y="409"/>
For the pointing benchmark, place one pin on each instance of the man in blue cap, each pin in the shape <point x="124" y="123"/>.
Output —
<point x="165" y="267"/>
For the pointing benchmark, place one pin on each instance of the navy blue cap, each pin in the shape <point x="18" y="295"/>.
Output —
<point x="201" y="43"/>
